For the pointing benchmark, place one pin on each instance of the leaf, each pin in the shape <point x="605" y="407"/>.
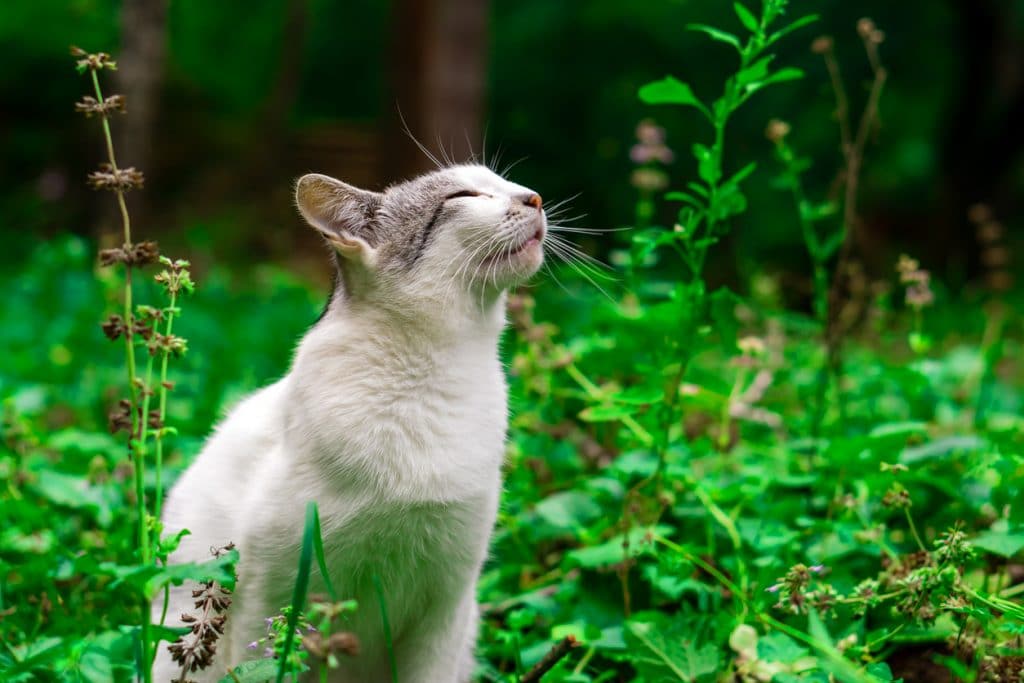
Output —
<point x="941" y="447"/>
<point x="612" y="552"/>
<point x="149" y="579"/>
<point x="755" y="72"/>
<point x="683" y="197"/>
<point x="607" y="413"/>
<point x="778" y="647"/>
<point x="786" y="30"/>
<point x="658" y="656"/>
<point x="670" y="90"/>
<point x="1001" y="543"/>
<point x="639" y="395"/>
<point x="746" y="17"/>
<point x="258" y="671"/>
<point x="715" y="34"/>
<point x="568" y="509"/>
<point x="300" y="588"/>
<point x="741" y="174"/>
<point x="780" y="76"/>
<point x="77" y="493"/>
<point x="723" y="313"/>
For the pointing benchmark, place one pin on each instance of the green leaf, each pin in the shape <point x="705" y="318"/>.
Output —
<point x="568" y="509"/>
<point x="741" y="174"/>
<point x="321" y="561"/>
<point x="300" y="588"/>
<point x="1001" y="543"/>
<point x="715" y="34"/>
<point x="149" y="579"/>
<point x="941" y="448"/>
<point x="258" y="671"/>
<point x="607" y="413"/>
<point x="659" y="657"/>
<point x="670" y="90"/>
<point x="780" y="76"/>
<point x="683" y="197"/>
<point x="612" y="551"/>
<point x="778" y="647"/>
<point x="639" y="395"/>
<point x="799" y="23"/>
<point x="746" y="17"/>
<point x="77" y="493"/>
<point x="755" y="72"/>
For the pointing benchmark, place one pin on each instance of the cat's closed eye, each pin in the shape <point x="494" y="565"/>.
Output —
<point x="462" y="193"/>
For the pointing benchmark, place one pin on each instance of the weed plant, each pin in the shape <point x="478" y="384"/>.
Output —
<point x="701" y="486"/>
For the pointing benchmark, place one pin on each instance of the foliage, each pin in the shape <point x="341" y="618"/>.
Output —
<point x="683" y="502"/>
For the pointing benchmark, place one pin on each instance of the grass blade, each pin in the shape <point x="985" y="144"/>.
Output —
<point x="301" y="585"/>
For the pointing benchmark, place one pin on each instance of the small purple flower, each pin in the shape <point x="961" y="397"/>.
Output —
<point x="269" y="621"/>
<point x="642" y="153"/>
<point x="773" y="589"/>
<point x="253" y="645"/>
<point x="817" y="569"/>
<point x="268" y="653"/>
<point x="310" y="628"/>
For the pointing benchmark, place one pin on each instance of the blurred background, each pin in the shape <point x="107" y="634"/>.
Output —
<point x="229" y="101"/>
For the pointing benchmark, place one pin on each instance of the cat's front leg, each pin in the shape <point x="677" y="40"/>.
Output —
<point x="441" y="648"/>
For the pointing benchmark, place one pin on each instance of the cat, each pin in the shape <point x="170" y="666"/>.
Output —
<point x="392" y="418"/>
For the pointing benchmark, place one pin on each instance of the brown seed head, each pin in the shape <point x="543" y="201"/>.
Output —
<point x="777" y="130"/>
<point x="822" y="45"/>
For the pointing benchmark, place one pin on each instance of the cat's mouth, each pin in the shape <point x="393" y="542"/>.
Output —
<point x="528" y="244"/>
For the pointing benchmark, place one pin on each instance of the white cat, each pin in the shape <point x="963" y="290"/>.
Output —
<point x="392" y="418"/>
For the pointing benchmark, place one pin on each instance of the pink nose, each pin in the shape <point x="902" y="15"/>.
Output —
<point x="533" y="200"/>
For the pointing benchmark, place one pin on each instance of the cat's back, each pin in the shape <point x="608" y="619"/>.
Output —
<point x="216" y="487"/>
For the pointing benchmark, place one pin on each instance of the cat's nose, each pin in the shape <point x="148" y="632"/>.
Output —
<point x="533" y="199"/>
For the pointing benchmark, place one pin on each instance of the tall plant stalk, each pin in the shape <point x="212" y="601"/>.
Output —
<point x="135" y="323"/>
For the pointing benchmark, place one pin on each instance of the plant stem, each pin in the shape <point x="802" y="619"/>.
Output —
<point x="913" y="530"/>
<point x="135" y="454"/>
<point x="162" y="410"/>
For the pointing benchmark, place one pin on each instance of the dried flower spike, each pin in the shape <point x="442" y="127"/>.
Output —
<point x="120" y="180"/>
<point x="91" y="106"/>
<point x="92" y="61"/>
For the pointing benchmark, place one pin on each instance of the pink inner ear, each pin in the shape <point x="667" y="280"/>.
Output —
<point x="347" y="246"/>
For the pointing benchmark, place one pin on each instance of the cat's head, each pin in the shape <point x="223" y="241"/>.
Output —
<point x="461" y="234"/>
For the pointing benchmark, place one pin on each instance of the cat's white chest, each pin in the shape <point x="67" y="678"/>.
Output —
<point x="411" y="428"/>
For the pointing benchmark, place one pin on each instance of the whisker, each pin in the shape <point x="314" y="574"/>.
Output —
<point x="423" y="148"/>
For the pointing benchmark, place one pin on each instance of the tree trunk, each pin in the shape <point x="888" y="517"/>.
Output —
<point x="438" y="78"/>
<point x="140" y="70"/>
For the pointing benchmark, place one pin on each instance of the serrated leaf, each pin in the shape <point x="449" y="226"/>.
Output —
<point x="659" y="657"/>
<point x="746" y="17"/>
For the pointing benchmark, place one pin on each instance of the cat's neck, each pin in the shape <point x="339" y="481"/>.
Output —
<point x="354" y="332"/>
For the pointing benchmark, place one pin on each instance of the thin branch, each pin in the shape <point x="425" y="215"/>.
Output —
<point x="548" y="662"/>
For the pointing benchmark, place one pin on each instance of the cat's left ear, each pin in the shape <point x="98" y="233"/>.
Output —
<point x="342" y="213"/>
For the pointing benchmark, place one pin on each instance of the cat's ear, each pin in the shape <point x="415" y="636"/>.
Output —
<point x="342" y="213"/>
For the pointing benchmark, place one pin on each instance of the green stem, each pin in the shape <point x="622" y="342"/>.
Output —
<point x="162" y="411"/>
<point x="595" y="393"/>
<point x="913" y="530"/>
<point x="134" y="454"/>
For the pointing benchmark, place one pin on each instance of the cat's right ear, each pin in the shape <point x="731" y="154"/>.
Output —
<point x="343" y="214"/>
